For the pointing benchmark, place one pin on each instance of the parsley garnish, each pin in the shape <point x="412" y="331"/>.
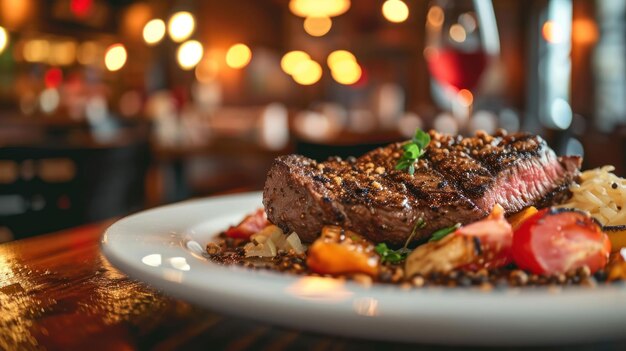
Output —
<point x="389" y="255"/>
<point x="396" y="256"/>
<point x="420" y="223"/>
<point x="413" y="150"/>
<point x="443" y="232"/>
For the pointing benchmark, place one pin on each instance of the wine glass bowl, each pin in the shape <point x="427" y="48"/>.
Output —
<point x="461" y="40"/>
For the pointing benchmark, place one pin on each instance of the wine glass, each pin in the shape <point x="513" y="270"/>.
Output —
<point x="461" y="40"/>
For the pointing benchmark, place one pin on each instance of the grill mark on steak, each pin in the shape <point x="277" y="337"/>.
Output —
<point x="457" y="180"/>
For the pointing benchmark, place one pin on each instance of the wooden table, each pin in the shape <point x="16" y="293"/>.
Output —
<point x="57" y="292"/>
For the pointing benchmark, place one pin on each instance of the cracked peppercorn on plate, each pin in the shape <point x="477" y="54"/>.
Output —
<point x="165" y="248"/>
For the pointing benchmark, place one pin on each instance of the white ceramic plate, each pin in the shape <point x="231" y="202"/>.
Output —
<point x="164" y="248"/>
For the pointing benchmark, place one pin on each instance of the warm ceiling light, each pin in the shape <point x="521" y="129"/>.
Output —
<point x="4" y="39"/>
<point x="115" y="57"/>
<point x="238" y="56"/>
<point x="307" y="72"/>
<point x="395" y="11"/>
<point x="338" y="56"/>
<point x="181" y="26"/>
<point x="154" y="31"/>
<point x="346" y="72"/>
<point x="319" y="8"/>
<point x="189" y="54"/>
<point x="291" y="59"/>
<point x="317" y="26"/>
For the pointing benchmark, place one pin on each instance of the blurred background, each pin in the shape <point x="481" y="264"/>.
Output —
<point x="112" y="106"/>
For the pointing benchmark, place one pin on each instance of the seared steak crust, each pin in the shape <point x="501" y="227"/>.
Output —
<point x="457" y="180"/>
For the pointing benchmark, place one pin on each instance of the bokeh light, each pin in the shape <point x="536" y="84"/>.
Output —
<point x="552" y="32"/>
<point x="134" y="18"/>
<point x="435" y="16"/>
<point x="307" y="72"/>
<point x="457" y="33"/>
<point x="154" y="31"/>
<point x="468" y="22"/>
<point x="115" y="57"/>
<point x="4" y="39"/>
<point x="189" y="54"/>
<point x="317" y="26"/>
<point x="88" y="53"/>
<point x="238" y="56"/>
<point x="291" y="59"/>
<point x="346" y="72"/>
<point x="584" y="31"/>
<point x="319" y="8"/>
<point x="395" y="11"/>
<point x="62" y="53"/>
<point x="81" y="8"/>
<point x="208" y="69"/>
<point x="36" y="50"/>
<point x="180" y="26"/>
<point x="338" y="56"/>
<point x="49" y="100"/>
<point x="53" y="77"/>
<point x="465" y="97"/>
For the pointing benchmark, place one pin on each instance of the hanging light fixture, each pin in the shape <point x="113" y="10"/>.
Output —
<point x="318" y="13"/>
<point x="319" y="8"/>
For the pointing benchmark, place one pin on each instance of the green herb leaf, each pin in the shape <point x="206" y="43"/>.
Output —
<point x="389" y="255"/>
<point x="413" y="150"/>
<point x="443" y="232"/>
<point x="403" y="165"/>
<point x="421" y="139"/>
<point x="419" y="224"/>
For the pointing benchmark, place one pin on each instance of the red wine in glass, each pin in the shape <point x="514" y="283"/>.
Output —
<point x="457" y="69"/>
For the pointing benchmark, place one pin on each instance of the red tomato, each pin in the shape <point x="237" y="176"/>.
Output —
<point x="494" y="236"/>
<point x="252" y="224"/>
<point x="557" y="241"/>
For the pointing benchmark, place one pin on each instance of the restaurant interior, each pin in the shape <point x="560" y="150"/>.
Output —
<point x="129" y="128"/>
<point x="108" y="107"/>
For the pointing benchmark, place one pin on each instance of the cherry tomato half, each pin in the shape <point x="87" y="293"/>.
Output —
<point x="558" y="241"/>
<point x="252" y="224"/>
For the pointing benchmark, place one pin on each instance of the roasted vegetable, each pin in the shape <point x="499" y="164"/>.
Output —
<point x="517" y="219"/>
<point x="342" y="252"/>
<point x="617" y="235"/>
<point x="270" y="240"/>
<point x="486" y="243"/>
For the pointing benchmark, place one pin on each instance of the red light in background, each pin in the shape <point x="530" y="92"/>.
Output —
<point x="81" y="8"/>
<point x="53" y="77"/>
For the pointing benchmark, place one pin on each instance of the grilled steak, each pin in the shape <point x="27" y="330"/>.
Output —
<point x="457" y="180"/>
